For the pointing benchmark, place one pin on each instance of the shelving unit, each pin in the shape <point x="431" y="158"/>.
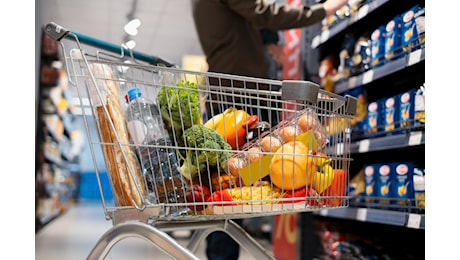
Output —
<point x="402" y="73"/>
<point x="57" y="142"/>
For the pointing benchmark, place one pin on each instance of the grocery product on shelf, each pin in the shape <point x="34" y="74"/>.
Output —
<point x="345" y="60"/>
<point x="420" y="24"/>
<point x="419" y="106"/>
<point x="377" y="46"/>
<point x="392" y="38"/>
<point x="419" y="187"/>
<point x="361" y="55"/>
<point x="327" y="69"/>
<point x="403" y="186"/>
<point x="406" y="108"/>
<point x="408" y="29"/>
<point x="391" y="114"/>
<point x="374" y="116"/>
<point x="370" y="181"/>
<point x="385" y="183"/>
<point x="159" y="165"/>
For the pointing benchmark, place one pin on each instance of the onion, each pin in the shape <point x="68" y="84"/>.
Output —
<point x="270" y="144"/>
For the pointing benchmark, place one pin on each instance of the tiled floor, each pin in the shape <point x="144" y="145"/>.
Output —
<point x="74" y="234"/>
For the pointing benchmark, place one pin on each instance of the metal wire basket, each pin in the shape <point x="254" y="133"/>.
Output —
<point x="226" y="147"/>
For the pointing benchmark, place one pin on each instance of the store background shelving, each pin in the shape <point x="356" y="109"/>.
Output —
<point x="58" y="143"/>
<point x="402" y="73"/>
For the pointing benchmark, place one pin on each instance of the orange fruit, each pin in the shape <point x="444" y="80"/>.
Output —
<point x="291" y="168"/>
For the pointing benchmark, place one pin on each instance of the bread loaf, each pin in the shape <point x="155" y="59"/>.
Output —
<point x="118" y="166"/>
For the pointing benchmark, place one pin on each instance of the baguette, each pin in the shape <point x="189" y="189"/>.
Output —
<point x="118" y="169"/>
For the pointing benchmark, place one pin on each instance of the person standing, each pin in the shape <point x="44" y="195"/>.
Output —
<point x="229" y="34"/>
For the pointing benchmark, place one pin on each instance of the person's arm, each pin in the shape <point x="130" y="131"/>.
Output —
<point x="331" y="6"/>
<point x="276" y="16"/>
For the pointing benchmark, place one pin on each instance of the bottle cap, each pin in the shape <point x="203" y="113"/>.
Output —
<point x="134" y="93"/>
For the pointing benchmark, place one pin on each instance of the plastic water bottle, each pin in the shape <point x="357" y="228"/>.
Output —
<point x="158" y="161"/>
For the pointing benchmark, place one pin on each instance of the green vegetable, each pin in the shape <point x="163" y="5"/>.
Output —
<point x="214" y="150"/>
<point x="180" y="109"/>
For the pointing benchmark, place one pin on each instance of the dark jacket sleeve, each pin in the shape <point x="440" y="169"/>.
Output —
<point x="276" y="16"/>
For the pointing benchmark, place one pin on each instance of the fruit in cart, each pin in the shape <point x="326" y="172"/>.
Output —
<point x="232" y="125"/>
<point x="180" y="108"/>
<point x="323" y="176"/>
<point x="233" y="170"/>
<point x="288" y="133"/>
<point x="221" y="195"/>
<point x="301" y="193"/>
<point x="270" y="144"/>
<point x="337" y="188"/>
<point x="253" y="154"/>
<point x="196" y="194"/>
<point x="219" y="181"/>
<point x="213" y="151"/>
<point x="291" y="166"/>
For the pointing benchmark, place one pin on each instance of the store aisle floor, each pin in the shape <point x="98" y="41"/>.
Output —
<point x="74" y="234"/>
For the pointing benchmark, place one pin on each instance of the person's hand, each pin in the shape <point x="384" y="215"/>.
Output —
<point x="331" y="6"/>
<point x="277" y="53"/>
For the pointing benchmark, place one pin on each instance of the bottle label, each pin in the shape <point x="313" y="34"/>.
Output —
<point x="137" y="131"/>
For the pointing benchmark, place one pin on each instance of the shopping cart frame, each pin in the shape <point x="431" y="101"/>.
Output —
<point x="137" y="221"/>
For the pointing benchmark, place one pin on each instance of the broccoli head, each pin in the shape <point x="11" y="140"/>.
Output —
<point x="180" y="109"/>
<point x="212" y="150"/>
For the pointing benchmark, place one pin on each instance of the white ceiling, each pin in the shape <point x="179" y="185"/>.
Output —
<point x="167" y="28"/>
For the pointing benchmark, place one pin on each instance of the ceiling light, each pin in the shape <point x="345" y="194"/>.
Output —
<point x="131" y="26"/>
<point x="131" y="44"/>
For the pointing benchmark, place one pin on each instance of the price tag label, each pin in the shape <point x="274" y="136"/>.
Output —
<point x="351" y="82"/>
<point x="364" y="146"/>
<point x="315" y="42"/>
<point x="361" y="214"/>
<point x="414" y="221"/>
<point x="325" y="36"/>
<point x="323" y="212"/>
<point x="362" y="12"/>
<point x="414" y="57"/>
<point x="415" y="138"/>
<point x="339" y="148"/>
<point x="368" y="76"/>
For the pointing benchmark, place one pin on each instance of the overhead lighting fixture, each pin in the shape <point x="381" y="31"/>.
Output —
<point x="131" y="44"/>
<point x="131" y="27"/>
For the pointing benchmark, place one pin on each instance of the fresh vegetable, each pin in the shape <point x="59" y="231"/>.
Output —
<point x="337" y="188"/>
<point x="323" y="177"/>
<point x="233" y="169"/>
<point x="288" y="133"/>
<point x="291" y="168"/>
<point x="197" y="193"/>
<point x="180" y="108"/>
<point x="223" y="195"/>
<point x="212" y="152"/>
<point x="270" y="144"/>
<point x="232" y="125"/>
<point x="301" y="193"/>
<point x="222" y="181"/>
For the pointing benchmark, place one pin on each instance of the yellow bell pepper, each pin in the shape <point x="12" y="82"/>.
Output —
<point x="323" y="176"/>
<point x="232" y="125"/>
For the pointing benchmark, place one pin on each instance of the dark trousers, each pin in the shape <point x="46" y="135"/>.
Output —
<point x="220" y="246"/>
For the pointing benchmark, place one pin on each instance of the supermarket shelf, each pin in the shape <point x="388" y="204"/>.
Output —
<point x="380" y="216"/>
<point x="362" y="12"/>
<point x="388" y="142"/>
<point x="386" y="69"/>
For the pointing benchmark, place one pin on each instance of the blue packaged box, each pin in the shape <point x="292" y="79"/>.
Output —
<point x="374" y="117"/>
<point x="370" y="181"/>
<point x="409" y="33"/>
<point x="391" y="115"/>
<point x="377" y="43"/>
<point x="403" y="188"/>
<point x="407" y="108"/>
<point x="393" y="38"/>
<point x="384" y="183"/>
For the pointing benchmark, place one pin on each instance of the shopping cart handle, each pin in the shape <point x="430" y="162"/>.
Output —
<point x="57" y="33"/>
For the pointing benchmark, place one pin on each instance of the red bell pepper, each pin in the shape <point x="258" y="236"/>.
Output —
<point x="222" y="195"/>
<point x="300" y="193"/>
<point x="337" y="188"/>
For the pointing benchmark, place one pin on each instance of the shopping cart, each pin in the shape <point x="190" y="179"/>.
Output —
<point x="236" y="147"/>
